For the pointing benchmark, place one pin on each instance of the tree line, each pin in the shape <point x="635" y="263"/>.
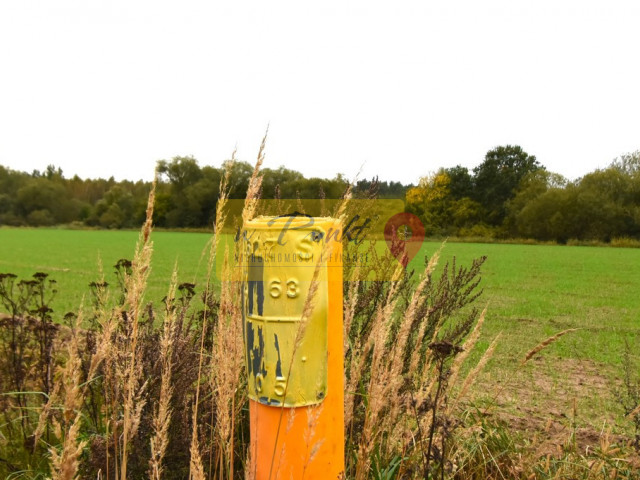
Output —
<point x="186" y="195"/>
<point x="509" y="195"/>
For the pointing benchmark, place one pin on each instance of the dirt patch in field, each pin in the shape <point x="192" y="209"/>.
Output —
<point x="559" y="403"/>
<point x="527" y="321"/>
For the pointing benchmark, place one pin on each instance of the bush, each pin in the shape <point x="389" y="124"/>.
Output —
<point x="625" y="242"/>
<point x="41" y="218"/>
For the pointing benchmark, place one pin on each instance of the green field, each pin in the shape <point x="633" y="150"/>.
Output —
<point x="534" y="291"/>
<point x="71" y="257"/>
<point x="531" y="291"/>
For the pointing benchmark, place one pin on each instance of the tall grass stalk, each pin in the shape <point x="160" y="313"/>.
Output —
<point x="196" y="465"/>
<point x="255" y="183"/>
<point x="474" y="373"/>
<point x="467" y="347"/>
<point x="395" y="368"/>
<point x="376" y="390"/>
<point x="162" y="416"/>
<point x="544" y="344"/>
<point x="227" y="362"/>
<point x="136" y="284"/>
<point x="64" y="465"/>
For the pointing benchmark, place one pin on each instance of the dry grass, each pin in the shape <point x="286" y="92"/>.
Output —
<point x="64" y="465"/>
<point x="542" y="345"/>
<point x="403" y="358"/>
<point x="227" y="363"/>
<point x="224" y="368"/>
<point x="475" y="372"/>
<point x="162" y="417"/>
<point x="386" y="388"/>
<point x="136" y="284"/>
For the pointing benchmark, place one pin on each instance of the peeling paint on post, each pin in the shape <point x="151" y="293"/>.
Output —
<point x="296" y="388"/>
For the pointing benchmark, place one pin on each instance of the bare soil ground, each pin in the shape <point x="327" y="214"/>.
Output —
<point x="545" y="405"/>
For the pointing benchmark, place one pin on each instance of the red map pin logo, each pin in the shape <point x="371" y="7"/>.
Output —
<point x="404" y="233"/>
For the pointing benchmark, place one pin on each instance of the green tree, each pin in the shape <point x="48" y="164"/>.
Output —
<point x="498" y="176"/>
<point x="283" y="178"/>
<point x="461" y="182"/>
<point x="464" y="213"/>
<point x="606" y="200"/>
<point x="116" y="209"/>
<point x="600" y="206"/>
<point x="184" y="205"/>
<point x="43" y="195"/>
<point x="239" y="182"/>
<point x="383" y="189"/>
<point x="181" y="171"/>
<point x="550" y="215"/>
<point x="628" y="163"/>
<point x="10" y="182"/>
<point x="431" y="201"/>
<point x="532" y="185"/>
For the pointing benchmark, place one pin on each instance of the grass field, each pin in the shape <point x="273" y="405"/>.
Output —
<point x="531" y="291"/>
<point x="534" y="291"/>
<point x="71" y="257"/>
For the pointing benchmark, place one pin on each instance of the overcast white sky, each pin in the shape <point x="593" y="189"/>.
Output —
<point x="103" y="88"/>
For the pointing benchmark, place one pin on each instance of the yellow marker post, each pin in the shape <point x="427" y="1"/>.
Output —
<point x="294" y="368"/>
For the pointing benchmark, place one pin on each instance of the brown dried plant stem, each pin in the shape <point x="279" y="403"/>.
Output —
<point x="387" y="368"/>
<point x="162" y="416"/>
<point x="136" y="284"/>
<point x="118" y="340"/>
<point x="248" y="213"/>
<point x="531" y="353"/>
<point x="432" y="428"/>
<point x="64" y="465"/>
<point x="395" y="367"/>
<point x="196" y="469"/>
<point x="376" y="389"/>
<point x="473" y="374"/>
<point x="196" y="466"/>
<point x="227" y="355"/>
